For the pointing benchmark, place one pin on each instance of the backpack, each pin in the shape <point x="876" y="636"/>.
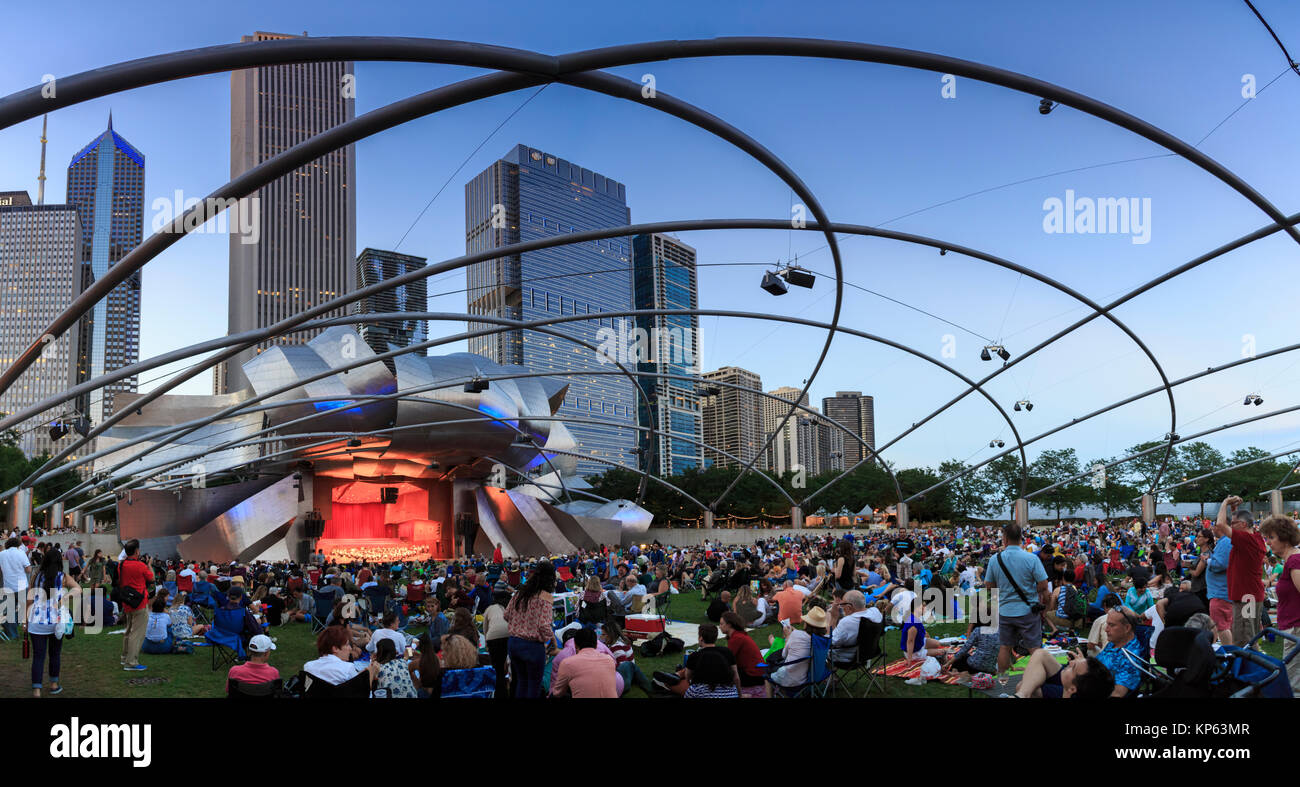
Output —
<point x="662" y="645"/>
<point x="1076" y="606"/>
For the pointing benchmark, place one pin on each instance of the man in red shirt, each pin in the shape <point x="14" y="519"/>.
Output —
<point x="753" y="681"/>
<point x="134" y="573"/>
<point x="1245" y="569"/>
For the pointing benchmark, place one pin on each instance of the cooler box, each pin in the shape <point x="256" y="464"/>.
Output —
<point x="643" y="625"/>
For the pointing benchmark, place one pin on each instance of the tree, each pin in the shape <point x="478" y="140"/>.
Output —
<point x="1141" y="472"/>
<point x="1195" y="460"/>
<point x="970" y="492"/>
<point x="1003" y="476"/>
<point x="1056" y="467"/>
<point x="1109" y="492"/>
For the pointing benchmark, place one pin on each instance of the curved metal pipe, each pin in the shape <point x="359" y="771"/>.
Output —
<point x="240" y="407"/>
<point x="378" y="120"/>
<point x="1188" y="438"/>
<point x="164" y="67"/>
<point x="29" y="103"/>
<point x="1116" y="405"/>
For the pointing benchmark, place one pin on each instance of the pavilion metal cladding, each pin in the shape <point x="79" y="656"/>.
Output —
<point x="530" y="194"/>
<point x="373" y="267"/>
<point x="106" y="187"/>
<point x="665" y="277"/>
<point x="305" y="245"/>
<point x="40" y="273"/>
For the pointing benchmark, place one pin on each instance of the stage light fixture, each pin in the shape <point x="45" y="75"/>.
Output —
<point x="82" y="426"/>
<point x="1045" y="106"/>
<point x="1254" y="399"/>
<point x="984" y="355"/>
<point x="434" y="465"/>
<point x="58" y="430"/>
<point x="1025" y="404"/>
<point x="799" y="277"/>
<point x="996" y="443"/>
<point x="774" y="284"/>
<point x="477" y="385"/>
<point x="354" y="442"/>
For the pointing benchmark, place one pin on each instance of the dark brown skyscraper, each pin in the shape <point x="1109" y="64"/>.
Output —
<point x="858" y="414"/>
<point x="301" y="249"/>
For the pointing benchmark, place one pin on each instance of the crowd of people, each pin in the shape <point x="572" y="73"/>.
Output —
<point x="1079" y="607"/>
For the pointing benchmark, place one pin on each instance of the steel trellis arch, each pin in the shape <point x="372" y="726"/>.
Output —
<point x="251" y="403"/>
<point x="849" y="50"/>
<point x="387" y="117"/>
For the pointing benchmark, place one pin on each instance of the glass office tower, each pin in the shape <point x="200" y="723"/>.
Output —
<point x="527" y="195"/>
<point x="664" y="277"/>
<point x="375" y="266"/>
<point x="106" y="187"/>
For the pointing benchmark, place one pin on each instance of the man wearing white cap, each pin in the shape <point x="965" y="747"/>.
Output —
<point x="258" y="668"/>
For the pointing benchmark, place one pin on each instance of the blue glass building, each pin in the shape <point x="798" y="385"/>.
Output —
<point x="664" y="277"/>
<point x="531" y="194"/>
<point x="375" y="266"/>
<point x="106" y="186"/>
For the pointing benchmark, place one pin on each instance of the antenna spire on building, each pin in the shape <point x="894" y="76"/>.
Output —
<point x="40" y="189"/>
<point x="110" y="120"/>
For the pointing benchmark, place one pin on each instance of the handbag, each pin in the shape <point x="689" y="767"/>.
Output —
<point x="1034" y="608"/>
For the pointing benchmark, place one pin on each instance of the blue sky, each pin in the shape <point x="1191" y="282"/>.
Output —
<point x="873" y="142"/>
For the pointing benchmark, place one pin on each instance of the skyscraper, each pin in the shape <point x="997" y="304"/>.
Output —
<point x="732" y="417"/>
<point x="530" y="194"/>
<point x="40" y="274"/>
<point x="664" y="277"/>
<point x="795" y="447"/>
<point x="106" y="187"/>
<point x="374" y="266"/>
<point x="857" y="414"/>
<point x="302" y="248"/>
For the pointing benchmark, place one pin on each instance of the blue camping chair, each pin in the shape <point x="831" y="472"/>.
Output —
<point x="201" y="601"/>
<point x="171" y="588"/>
<point x="324" y="606"/>
<point x="817" y="682"/>
<point x="226" y="637"/>
<point x="475" y="683"/>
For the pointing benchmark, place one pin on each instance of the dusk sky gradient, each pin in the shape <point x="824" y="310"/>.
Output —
<point x="873" y="142"/>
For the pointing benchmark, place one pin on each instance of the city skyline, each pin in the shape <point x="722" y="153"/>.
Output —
<point x="1002" y="139"/>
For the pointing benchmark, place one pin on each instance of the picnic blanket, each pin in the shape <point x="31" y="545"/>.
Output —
<point x="902" y="668"/>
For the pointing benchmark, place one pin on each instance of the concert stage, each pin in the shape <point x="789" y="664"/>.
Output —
<point x="395" y="467"/>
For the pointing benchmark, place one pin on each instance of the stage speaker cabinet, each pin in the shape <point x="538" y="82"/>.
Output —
<point x="313" y="526"/>
<point x="388" y="495"/>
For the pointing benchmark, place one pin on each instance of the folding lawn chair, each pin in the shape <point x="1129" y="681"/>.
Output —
<point x="324" y="606"/>
<point x="226" y="637"/>
<point x="239" y="690"/>
<point x="869" y="655"/>
<point x="817" y="682"/>
<point x="474" y="683"/>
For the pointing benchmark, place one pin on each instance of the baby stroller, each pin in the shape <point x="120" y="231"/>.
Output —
<point x="1187" y="666"/>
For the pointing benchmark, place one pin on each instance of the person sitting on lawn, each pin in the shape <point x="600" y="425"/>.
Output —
<point x="258" y="668"/>
<point x="158" y="639"/>
<point x="182" y="620"/>
<point x="753" y="680"/>
<point x="708" y="672"/>
<point x="978" y="654"/>
<point x="798" y="648"/>
<point x="1084" y="677"/>
<point x="338" y="658"/>
<point x="587" y="673"/>
<point x="913" y="639"/>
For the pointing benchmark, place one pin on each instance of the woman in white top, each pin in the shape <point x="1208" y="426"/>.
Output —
<point x="335" y="665"/>
<point x="50" y="599"/>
